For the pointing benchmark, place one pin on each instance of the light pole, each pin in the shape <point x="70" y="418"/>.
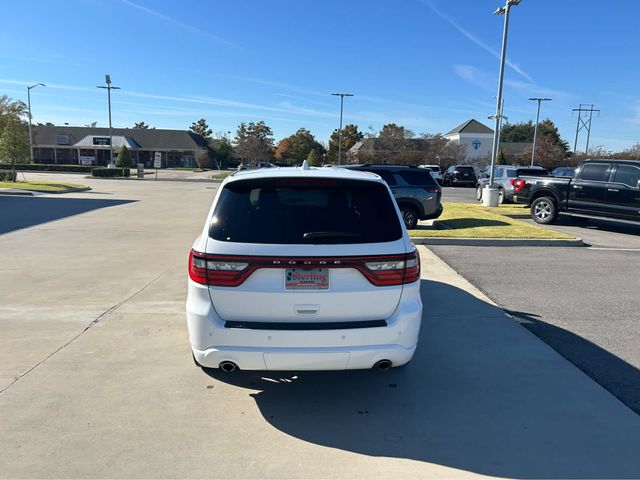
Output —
<point x="341" y="95"/>
<point x="535" y="130"/>
<point x="29" y="106"/>
<point x="496" y="134"/>
<point x="501" y="117"/>
<point x="108" y="87"/>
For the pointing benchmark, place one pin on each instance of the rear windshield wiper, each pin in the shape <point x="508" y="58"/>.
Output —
<point x="312" y="235"/>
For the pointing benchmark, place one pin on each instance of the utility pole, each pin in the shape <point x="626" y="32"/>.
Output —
<point x="29" y="106"/>
<point x="501" y="117"/>
<point x="496" y="134"/>
<point x="584" y="108"/>
<point x="535" y="130"/>
<point x="109" y="87"/>
<point x="341" y="95"/>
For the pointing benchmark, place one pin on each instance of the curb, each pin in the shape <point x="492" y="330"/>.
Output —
<point x="499" y="242"/>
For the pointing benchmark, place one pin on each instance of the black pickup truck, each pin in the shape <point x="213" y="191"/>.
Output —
<point x="600" y="188"/>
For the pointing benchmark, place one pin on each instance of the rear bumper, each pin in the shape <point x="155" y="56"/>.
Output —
<point x="304" y="358"/>
<point x="340" y="349"/>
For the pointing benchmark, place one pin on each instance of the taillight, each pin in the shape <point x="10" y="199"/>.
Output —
<point x="433" y="189"/>
<point x="210" y="271"/>
<point x="513" y="182"/>
<point x="231" y="271"/>
<point x="519" y="184"/>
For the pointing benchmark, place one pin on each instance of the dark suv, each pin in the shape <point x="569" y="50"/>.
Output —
<point x="417" y="194"/>
<point x="459" y="175"/>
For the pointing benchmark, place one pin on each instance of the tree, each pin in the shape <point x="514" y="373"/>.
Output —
<point x="297" y="147"/>
<point x="254" y="141"/>
<point x="220" y="149"/>
<point x="313" y="159"/>
<point x="548" y="153"/>
<point x="524" y="131"/>
<point x="202" y="128"/>
<point x="391" y="131"/>
<point x="123" y="159"/>
<point x="203" y="159"/>
<point x="144" y="125"/>
<point x="91" y="125"/>
<point x="350" y="136"/>
<point x="501" y="158"/>
<point x="14" y="145"/>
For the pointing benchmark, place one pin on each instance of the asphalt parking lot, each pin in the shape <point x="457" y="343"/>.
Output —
<point x="459" y="194"/>
<point x="96" y="377"/>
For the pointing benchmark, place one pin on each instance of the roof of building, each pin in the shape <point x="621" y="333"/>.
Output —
<point x="139" y="138"/>
<point x="470" y="126"/>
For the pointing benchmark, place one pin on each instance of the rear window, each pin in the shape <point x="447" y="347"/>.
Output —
<point x="528" y="172"/>
<point x="305" y="211"/>
<point x="416" y="177"/>
<point x="465" y="169"/>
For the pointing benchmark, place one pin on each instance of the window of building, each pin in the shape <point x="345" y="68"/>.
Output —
<point x="62" y="140"/>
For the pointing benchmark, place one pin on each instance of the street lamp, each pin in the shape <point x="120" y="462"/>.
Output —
<point x="496" y="134"/>
<point x="535" y="130"/>
<point x="341" y="95"/>
<point x="29" y="106"/>
<point x="501" y="117"/>
<point x="108" y="87"/>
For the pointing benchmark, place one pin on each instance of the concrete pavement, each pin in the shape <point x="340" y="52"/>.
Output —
<point x="122" y="398"/>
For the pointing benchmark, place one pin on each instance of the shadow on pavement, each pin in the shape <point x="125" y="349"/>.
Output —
<point x="597" y="224"/>
<point x="480" y="395"/>
<point x="24" y="212"/>
<point x="617" y="376"/>
<point x="460" y="223"/>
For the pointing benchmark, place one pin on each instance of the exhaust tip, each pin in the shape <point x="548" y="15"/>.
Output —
<point x="383" y="364"/>
<point x="228" y="367"/>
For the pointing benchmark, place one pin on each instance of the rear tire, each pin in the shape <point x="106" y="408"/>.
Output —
<point x="409" y="216"/>
<point x="500" y="196"/>
<point x="478" y="192"/>
<point x="544" y="210"/>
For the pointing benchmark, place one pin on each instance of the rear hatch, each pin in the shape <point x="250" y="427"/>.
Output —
<point x="465" y="174"/>
<point x="298" y="250"/>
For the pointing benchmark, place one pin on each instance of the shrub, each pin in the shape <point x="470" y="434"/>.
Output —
<point x="124" y="157"/>
<point x="7" y="176"/>
<point x="110" y="172"/>
<point x="44" y="167"/>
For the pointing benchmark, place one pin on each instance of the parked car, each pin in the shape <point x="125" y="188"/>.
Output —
<point x="417" y="193"/>
<point x="303" y="269"/>
<point x="459" y="175"/>
<point x="600" y="188"/>
<point x="563" y="171"/>
<point x="504" y="179"/>
<point x="436" y="171"/>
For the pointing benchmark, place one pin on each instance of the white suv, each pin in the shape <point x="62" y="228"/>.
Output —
<point x="303" y="269"/>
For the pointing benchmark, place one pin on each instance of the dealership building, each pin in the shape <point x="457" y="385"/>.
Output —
<point x="90" y="146"/>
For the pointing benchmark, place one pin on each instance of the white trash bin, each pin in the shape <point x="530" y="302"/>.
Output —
<point x="490" y="196"/>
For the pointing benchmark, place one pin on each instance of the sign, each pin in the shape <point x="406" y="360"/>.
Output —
<point x="476" y="144"/>
<point x="87" y="160"/>
<point x="101" y="141"/>
<point x="157" y="160"/>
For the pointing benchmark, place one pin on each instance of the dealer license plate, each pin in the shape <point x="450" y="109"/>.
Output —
<point x="306" y="279"/>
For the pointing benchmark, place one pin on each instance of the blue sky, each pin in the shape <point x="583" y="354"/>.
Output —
<point x="425" y="64"/>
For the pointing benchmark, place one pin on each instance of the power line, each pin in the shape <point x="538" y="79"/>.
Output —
<point x="584" y="122"/>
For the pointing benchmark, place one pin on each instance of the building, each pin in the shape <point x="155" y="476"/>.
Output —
<point x="90" y="146"/>
<point x="477" y="137"/>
